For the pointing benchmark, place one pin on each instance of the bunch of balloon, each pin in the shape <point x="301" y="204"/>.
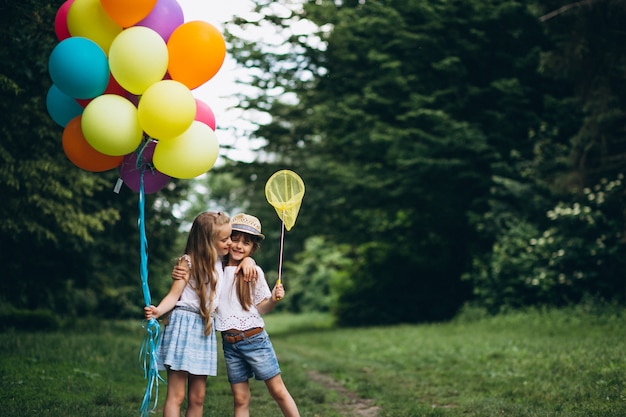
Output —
<point x="122" y="75"/>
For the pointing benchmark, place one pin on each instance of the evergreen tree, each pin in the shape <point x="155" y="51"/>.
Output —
<point x="405" y="112"/>
<point x="68" y="243"/>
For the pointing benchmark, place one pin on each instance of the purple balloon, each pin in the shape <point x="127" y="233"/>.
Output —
<point x="165" y="17"/>
<point x="153" y="180"/>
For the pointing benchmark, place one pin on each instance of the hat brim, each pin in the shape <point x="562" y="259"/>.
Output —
<point x="247" y="230"/>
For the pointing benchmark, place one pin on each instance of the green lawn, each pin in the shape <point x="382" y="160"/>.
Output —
<point x="556" y="363"/>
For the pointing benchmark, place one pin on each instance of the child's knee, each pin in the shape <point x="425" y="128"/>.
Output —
<point x="197" y="399"/>
<point x="241" y="397"/>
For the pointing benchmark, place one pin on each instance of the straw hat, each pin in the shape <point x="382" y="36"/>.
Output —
<point x="247" y="224"/>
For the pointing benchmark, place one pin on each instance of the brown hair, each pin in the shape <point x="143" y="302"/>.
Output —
<point x="201" y="249"/>
<point x="245" y="289"/>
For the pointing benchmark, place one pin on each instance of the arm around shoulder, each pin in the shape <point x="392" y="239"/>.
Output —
<point x="249" y="268"/>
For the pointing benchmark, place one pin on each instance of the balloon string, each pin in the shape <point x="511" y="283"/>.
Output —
<point x="142" y="148"/>
<point x="148" y="360"/>
<point x="143" y="242"/>
<point x="140" y="164"/>
<point x="147" y="353"/>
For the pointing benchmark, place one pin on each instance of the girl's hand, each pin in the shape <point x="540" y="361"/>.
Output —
<point x="181" y="270"/>
<point x="248" y="267"/>
<point x="151" y="312"/>
<point x="278" y="293"/>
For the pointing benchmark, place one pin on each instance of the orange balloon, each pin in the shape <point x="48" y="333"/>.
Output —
<point x="81" y="154"/>
<point x="196" y="52"/>
<point x="126" y="13"/>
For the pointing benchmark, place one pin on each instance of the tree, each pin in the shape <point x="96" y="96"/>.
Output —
<point x="404" y="112"/>
<point x="589" y="52"/>
<point x="69" y="244"/>
<point x="569" y="247"/>
<point x="39" y="191"/>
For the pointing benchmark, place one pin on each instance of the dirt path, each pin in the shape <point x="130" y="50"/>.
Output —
<point x="354" y="406"/>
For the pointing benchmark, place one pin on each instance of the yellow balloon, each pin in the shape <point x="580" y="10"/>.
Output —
<point x="88" y="19"/>
<point x="284" y="190"/>
<point x="166" y="109"/>
<point x="191" y="154"/>
<point x="110" y="125"/>
<point x="138" y="58"/>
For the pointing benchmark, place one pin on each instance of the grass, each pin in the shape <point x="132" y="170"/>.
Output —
<point x="537" y="363"/>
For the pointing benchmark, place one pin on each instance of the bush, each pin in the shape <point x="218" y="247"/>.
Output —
<point x="29" y="320"/>
<point x="577" y="253"/>
<point x="313" y="276"/>
<point x="388" y="285"/>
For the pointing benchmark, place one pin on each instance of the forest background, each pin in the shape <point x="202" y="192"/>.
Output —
<point x="465" y="152"/>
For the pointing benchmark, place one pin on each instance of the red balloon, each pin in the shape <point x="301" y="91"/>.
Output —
<point x="60" y="21"/>
<point x="82" y="154"/>
<point x="204" y="114"/>
<point x="113" y="87"/>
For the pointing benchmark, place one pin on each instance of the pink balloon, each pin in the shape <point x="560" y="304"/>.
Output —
<point x="153" y="180"/>
<point x="204" y="114"/>
<point x="165" y="16"/>
<point x="60" y="21"/>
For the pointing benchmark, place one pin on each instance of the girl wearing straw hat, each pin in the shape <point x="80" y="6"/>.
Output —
<point x="248" y="350"/>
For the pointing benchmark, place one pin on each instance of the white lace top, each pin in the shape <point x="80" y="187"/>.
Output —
<point x="190" y="299"/>
<point x="230" y="314"/>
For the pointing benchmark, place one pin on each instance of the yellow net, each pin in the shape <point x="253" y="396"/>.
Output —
<point x="284" y="191"/>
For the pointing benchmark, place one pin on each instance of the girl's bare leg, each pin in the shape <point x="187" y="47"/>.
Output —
<point x="176" y="382"/>
<point x="279" y="392"/>
<point x="197" y="391"/>
<point x="241" y="399"/>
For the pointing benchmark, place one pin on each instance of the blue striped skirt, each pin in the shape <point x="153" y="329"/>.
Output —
<point x="184" y="347"/>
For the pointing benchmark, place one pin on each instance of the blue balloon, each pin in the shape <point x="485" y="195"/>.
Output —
<point x="61" y="107"/>
<point x="79" y="68"/>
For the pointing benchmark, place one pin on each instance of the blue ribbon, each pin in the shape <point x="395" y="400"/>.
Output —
<point x="147" y="353"/>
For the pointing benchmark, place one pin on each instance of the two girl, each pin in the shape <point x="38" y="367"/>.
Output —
<point x="248" y="351"/>
<point x="188" y="348"/>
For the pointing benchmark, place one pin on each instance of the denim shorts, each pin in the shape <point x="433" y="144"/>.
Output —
<point x="251" y="357"/>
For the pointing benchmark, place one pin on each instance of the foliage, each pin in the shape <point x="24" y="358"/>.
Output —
<point x="577" y="254"/>
<point x="30" y="320"/>
<point x="589" y="51"/>
<point x="43" y="196"/>
<point x="558" y="229"/>
<point x="433" y="138"/>
<point x="398" y="115"/>
<point x="313" y="274"/>
<point x="69" y="244"/>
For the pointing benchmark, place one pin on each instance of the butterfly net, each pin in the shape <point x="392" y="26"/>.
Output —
<point x="284" y="191"/>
